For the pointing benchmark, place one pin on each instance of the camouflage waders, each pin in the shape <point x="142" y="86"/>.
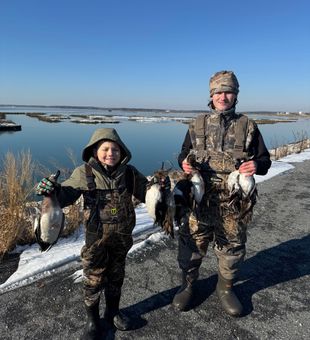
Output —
<point x="110" y="219"/>
<point x="218" y="143"/>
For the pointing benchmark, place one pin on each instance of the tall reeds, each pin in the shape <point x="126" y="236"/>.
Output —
<point x="16" y="185"/>
<point x="301" y="143"/>
<point x="18" y="207"/>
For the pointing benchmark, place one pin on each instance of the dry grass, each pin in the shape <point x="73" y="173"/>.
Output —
<point x="16" y="185"/>
<point x="73" y="218"/>
<point x="288" y="149"/>
<point x="17" y="205"/>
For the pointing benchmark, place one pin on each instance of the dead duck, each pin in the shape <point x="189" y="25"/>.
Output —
<point x="167" y="206"/>
<point x="50" y="221"/>
<point x="239" y="183"/>
<point x="159" y="202"/>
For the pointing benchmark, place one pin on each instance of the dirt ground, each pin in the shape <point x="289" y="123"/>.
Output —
<point x="273" y="287"/>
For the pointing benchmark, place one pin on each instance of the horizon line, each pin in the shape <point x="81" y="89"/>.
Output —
<point x="124" y="108"/>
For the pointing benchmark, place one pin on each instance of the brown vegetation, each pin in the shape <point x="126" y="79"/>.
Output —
<point x="55" y="118"/>
<point x="16" y="183"/>
<point x="17" y="206"/>
<point x="301" y="143"/>
<point x="34" y="114"/>
<point x="274" y="121"/>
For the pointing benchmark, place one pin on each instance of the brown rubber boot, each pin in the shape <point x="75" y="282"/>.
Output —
<point x="92" y="329"/>
<point x="183" y="297"/>
<point x="228" y="298"/>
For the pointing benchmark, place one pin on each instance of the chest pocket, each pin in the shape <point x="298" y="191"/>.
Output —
<point x="221" y="145"/>
<point x="113" y="206"/>
<point x="107" y="206"/>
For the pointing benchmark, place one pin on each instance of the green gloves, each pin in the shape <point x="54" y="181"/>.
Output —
<point x="47" y="185"/>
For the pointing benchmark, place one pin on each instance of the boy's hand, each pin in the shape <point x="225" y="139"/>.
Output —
<point x="45" y="187"/>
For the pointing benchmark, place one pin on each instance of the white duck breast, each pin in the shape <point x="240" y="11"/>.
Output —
<point x="152" y="198"/>
<point x="198" y="187"/>
<point x="239" y="182"/>
<point x="233" y="181"/>
<point x="247" y="184"/>
<point x="49" y="224"/>
<point x="160" y="205"/>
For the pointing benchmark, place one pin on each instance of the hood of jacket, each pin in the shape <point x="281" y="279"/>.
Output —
<point x="108" y="134"/>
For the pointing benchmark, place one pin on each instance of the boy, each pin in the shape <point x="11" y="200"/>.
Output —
<point x="107" y="184"/>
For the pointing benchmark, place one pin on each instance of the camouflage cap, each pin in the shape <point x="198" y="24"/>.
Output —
<point x="223" y="81"/>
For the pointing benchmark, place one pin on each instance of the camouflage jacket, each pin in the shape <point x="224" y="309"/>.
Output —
<point x="219" y="135"/>
<point x="122" y="177"/>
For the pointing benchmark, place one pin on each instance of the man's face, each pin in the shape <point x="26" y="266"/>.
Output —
<point x="223" y="101"/>
<point x="108" y="153"/>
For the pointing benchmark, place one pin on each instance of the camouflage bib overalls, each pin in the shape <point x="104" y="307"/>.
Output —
<point x="219" y="142"/>
<point x="109" y="219"/>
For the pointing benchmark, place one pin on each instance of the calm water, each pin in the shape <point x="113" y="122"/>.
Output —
<point x="149" y="143"/>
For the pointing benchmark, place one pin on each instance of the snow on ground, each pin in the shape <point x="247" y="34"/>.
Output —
<point x="34" y="265"/>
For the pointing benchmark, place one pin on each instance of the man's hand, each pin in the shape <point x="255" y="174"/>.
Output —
<point x="187" y="168"/>
<point x="248" y="168"/>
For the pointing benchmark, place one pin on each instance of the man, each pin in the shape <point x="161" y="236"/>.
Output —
<point x="217" y="144"/>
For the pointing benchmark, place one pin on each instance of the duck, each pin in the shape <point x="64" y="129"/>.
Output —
<point x="167" y="206"/>
<point x="49" y="222"/>
<point x="160" y="203"/>
<point x="238" y="183"/>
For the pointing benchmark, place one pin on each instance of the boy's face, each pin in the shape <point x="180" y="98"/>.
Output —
<point x="108" y="153"/>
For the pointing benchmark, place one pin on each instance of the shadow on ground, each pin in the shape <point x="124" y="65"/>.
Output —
<point x="282" y="263"/>
<point x="8" y="266"/>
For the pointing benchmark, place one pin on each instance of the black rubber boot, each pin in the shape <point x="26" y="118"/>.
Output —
<point x="113" y="315"/>
<point x="92" y="329"/>
<point x="228" y="298"/>
<point x="183" y="297"/>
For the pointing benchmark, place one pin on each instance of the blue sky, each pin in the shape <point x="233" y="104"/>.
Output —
<point x="154" y="54"/>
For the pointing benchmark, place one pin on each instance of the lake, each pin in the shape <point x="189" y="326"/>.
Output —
<point x="150" y="143"/>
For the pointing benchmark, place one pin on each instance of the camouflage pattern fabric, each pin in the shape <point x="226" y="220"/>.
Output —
<point x="227" y="233"/>
<point x="216" y="219"/>
<point x="223" y="81"/>
<point x="109" y="218"/>
<point x="107" y="244"/>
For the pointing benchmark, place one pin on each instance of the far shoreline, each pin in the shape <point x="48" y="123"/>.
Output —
<point x="109" y="118"/>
